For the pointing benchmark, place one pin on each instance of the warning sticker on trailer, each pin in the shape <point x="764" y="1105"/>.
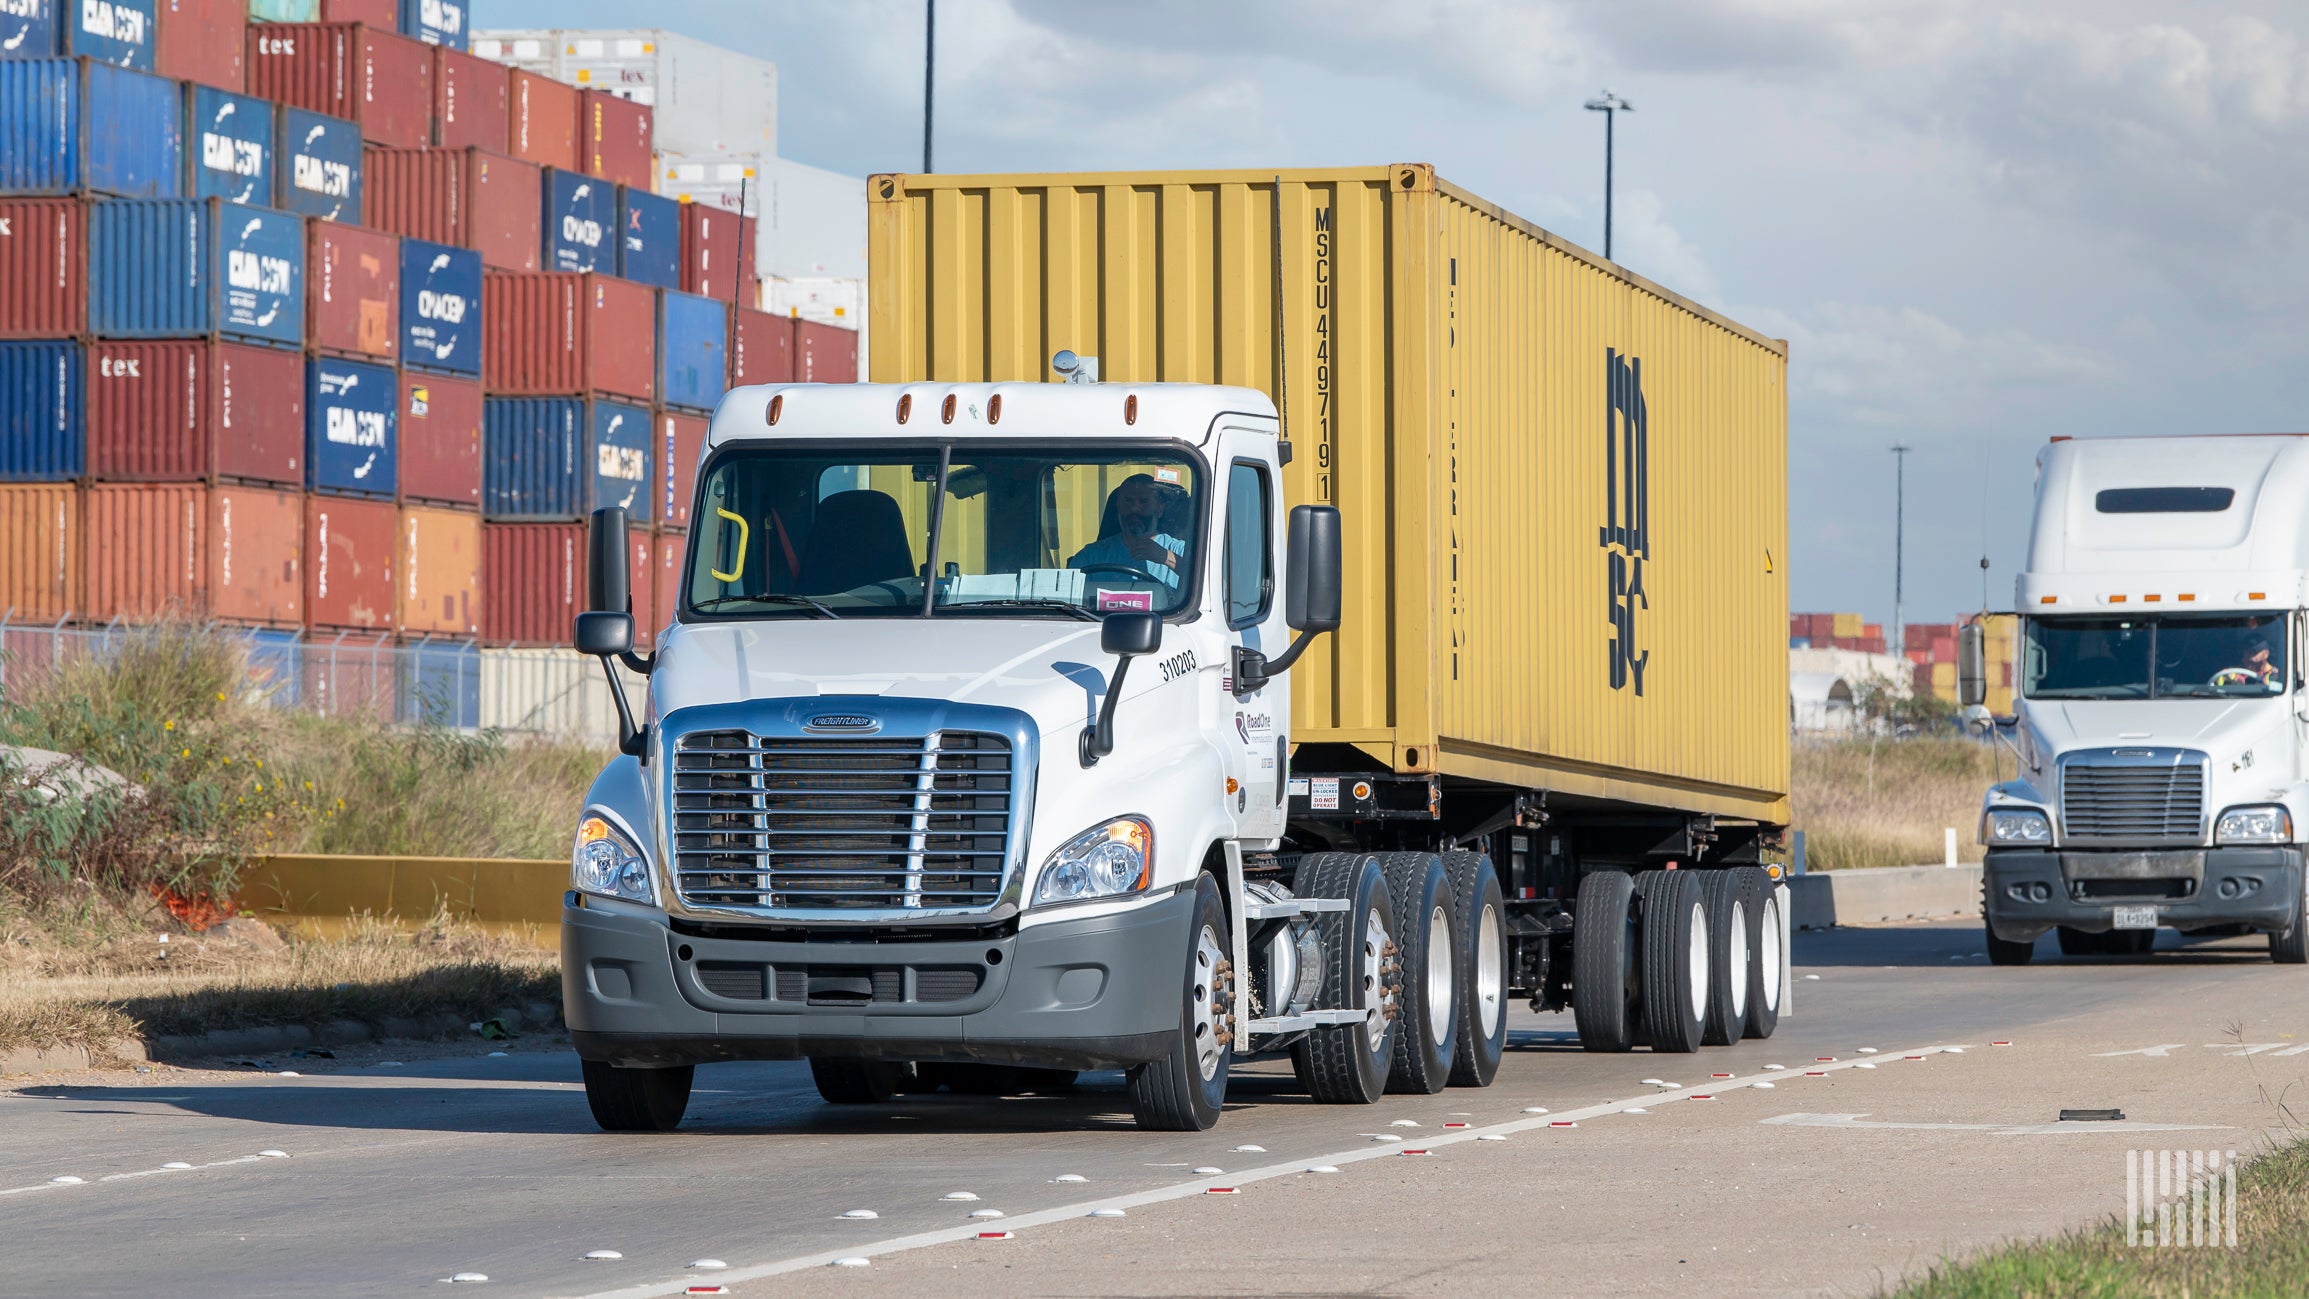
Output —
<point x="1323" y="794"/>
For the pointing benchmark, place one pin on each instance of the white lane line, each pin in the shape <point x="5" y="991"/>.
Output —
<point x="2000" y="1129"/>
<point x="1200" y="1187"/>
<point x="142" y="1172"/>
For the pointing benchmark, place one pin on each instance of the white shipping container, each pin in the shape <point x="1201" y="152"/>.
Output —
<point x="839" y="302"/>
<point x="557" y="693"/>
<point x="716" y="181"/>
<point x="707" y="100"/>
<point x="813" y="224"/>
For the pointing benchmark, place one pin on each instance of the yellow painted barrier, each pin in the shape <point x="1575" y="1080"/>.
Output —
<point x="325" y="893"/>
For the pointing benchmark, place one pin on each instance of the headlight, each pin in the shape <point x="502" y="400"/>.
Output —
<point x="1106" y="861"/>
<point x="2267" y="824"/>
<point x="2017" y="826"/>
<point x="604" y="861"/>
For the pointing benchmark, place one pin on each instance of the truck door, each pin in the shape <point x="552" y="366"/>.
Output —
<point x="1250" y="563"/>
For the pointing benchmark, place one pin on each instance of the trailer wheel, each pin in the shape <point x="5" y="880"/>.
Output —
<point x="1482" y="1035"/>
<point x="1767" y="950"/>
<point x="2004" y="952"/>
<point x="1347" y="1064"/>
<point x="1428" y="940"/>
<point x="1185" y="1089"/>
<point x="1675" y="960"/>
<point x="857" y="1082"/>
<point x="1729" y="958"/>
<point x="2292" y="946"/>
<point x="636" y="1100"/>
<point x="1604" y="952"/>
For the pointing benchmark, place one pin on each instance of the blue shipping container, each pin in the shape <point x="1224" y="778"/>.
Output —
<point x="27" y="29"/>
<point x="563" y="457"/>
<point x="118" y="32"/>
<point x="319" y="172"/>
<point x="352" y="428"/>
<point x="648" y="238"/>
<point x="184" y="268"/>
<point x="693" y="350"/>
<point x="440" y="307"/>
<point x="232" y="145"/>
<point x="66" y="126"/>
<point x="435" y="22"/>
<point x="580" y="211"/>
<point x="43" y="419"/>
<point x="441" y="684"/>
<point x="272" y="666"/>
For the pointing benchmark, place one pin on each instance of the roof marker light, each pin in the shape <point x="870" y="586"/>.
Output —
<point x="946" y="410"/>
<point x="2116" y="599"/>
<point x="2256" y="595"/>
<point x="2054" y="599"/>
<point x="777" y="407"/>
<point x="1130" y="409"/>
<point x="2151" y="599"/>
<point x="2188" y="597"/>
<point x="994" y="409"/>
<point x="905" y="406"/>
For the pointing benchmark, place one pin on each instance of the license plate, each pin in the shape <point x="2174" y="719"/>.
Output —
<point x="2133" y="918"/>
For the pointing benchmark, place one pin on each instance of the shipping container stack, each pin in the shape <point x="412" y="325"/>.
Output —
<point x="1931" y="650"/>
<point x="1844" y="631"/>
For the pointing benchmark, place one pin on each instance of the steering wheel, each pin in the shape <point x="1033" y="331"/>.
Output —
<point x="2236" y="677"/>
<point x="1132" y="571"/>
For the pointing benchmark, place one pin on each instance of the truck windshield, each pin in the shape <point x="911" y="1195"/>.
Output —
<point x="2167" y="657"/>
<point x="1064" y="532"/>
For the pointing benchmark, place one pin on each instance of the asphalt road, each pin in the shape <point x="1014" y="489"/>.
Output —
<point x="391" y="1180"/>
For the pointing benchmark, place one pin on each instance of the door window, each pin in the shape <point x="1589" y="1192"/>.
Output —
<point x="1250" y="545"/>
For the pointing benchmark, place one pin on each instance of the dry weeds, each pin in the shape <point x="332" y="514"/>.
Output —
<point x="1888" y="802"/>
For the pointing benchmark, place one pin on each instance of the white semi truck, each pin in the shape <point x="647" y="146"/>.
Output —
<point x="2162" y="712"/>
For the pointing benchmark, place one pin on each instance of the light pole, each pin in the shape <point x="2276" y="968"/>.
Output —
<point x="1611" y="106"/>
<point x="929" y="67"/>
<point x="1899" y="637"/>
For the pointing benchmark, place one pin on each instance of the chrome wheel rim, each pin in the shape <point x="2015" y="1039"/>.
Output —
<point x="1737" y="967"/>
<point x="1696" y="953"/>
<point x="1490" y="969"/>
<point x="1439" y="1024"/>
<point x="1375" y="943"/>
<point x="1772" y="938"/>
<point x="1205" y="1000"/>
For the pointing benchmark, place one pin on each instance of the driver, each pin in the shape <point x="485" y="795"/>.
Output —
<point x="2256" y="668"/>
<point x="1138" y="508"/>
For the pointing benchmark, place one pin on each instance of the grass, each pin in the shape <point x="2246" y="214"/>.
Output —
<point x="2271" y="1257"/>
<point x="1886" y="802"/>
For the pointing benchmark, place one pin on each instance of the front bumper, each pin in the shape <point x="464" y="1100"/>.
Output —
<point x="2028" y="891"/>
<point x="1099" y="993"/>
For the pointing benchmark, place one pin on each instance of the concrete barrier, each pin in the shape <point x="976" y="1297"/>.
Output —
<point x="326" y="893"/>
<point x="1825" y="899"/>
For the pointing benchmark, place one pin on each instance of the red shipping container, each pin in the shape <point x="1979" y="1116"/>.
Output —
<point x="665" y="588"/>
<point x="469" y="103"/>
<point x="441" y="440"/>
<point x="349" y="548"/>
<point x="468" y="198"/>
<point x="561" y="334"/>
<point x="824" y="354"/>
<point x="716" y="251"/>
<point x="352" y="674"/>
<point x="43" y="267"/>
<point x="1943" y="649"/>
<point x="189" y="410"/>
<point x="202" y="40"/>
<point x="376" y="78"/>
<point x="641" y="569"/>
<point x="353" y="291"/>
<point x="384" y="15"/>
<point x="615" y="138"/>
<point x="761" y="348"/>
<point x="148" y="563"/>
<point x="541" y="120"/>
<point x="255" y="573"/>
<point x="680" y="441"/>
<point x="532" y="582"/>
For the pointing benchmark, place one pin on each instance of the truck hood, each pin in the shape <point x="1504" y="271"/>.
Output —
<point x="2226" y="730"/>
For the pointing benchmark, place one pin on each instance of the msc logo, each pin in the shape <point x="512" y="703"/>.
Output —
<point x="1626" y="533"/>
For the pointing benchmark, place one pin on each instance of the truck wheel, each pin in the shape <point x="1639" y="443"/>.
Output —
<point x="1604" y="954"/>
<point x="1675" y="960"/>
<point x="856" y="1082"/>
<point x="2076" y="942"/>
<point x="2002" y="952"/>
<point x="2292" y="946"/>
<point x="1729" y="958"/>
<point x="636" y="1100"/>
<point x="1482" y="1035"/>
<point x="1767" y="950"/>
<point x="1347" y="1064"/>
<point x="1185" y="1089"/>
<point x="1428" y="938"/>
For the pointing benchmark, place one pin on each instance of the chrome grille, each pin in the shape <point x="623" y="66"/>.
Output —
<point x="824" y="823"/>
<point x="2137" y="801"/>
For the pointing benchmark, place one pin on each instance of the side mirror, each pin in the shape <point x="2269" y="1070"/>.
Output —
<point x="605" y="629"/>
<point x="1313" y="566"/>
<point x="604" y="634"/>
<point x="1125" y="635"/>
<point x="1971" y="668"/>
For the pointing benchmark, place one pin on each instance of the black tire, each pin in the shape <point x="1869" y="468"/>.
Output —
<point x="1767" y="948"/>
<point x="2076" y="942"/>
<point x="636" y="1100"/>
<point x="1673" y="1010"/>
<point x="1428" y="947"/>
<point x="856" y="1082"/>
<point x="2004" y="952"/>
<point x="2292" y="946"/>
<point x="1604" y="953"/>
<point x="1482" y="1036"/>
<point x="1348" y="1064"/>
<point x="1186" y="1089"/>
<point x="1729" y="959"/>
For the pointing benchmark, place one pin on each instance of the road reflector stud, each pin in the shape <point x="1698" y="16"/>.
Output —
<point x="707" y="1289"/>
<point x="2000" y="1044"/>
<point x="1107" y="1213"/>
<point x="852" y="1261"/>
<point x="994" y="1235"/>
<point x="1719" y="1075"/>
<point x="603" y="1256"/>
<point x="1815" y="1073"/>
<point x="860" y="1214"/>
<point x="1070" y="1177"/>
<point x="1218" y="1190"/>
<point x="1563" y="1123"/>
<point x="986" y="1213"/>
<point x="958" y="1195"/>
<point x="1455" y="1125"/>
<point x="707" y="1264"/>
<point x="1491" y="1136"/>
<point x="1414" y="1152"/>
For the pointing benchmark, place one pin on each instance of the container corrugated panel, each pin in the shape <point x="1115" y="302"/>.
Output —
<point x="28" y="29"/>
<point x="118" y="32"/>
<point x="541" y="121"/>
<point x="42" y="412"/>
<point x="469" y="101"/>
<point x="436" y="22"/>
<point x="192" y="410"/>
<point x="233" y="141"/>
<point x="694" y="344"/>
<point x="377" y="78"/>
<point x="353" y="302"/>
<point x="204" y="41"/>
<point x="440" y="307"/>
<point x="826" y="354"/>
<point x="562" y="458"/>
<point x="615" y="138"/>
<point x="40" y="551"/>
<point x="716" y="252"/>
<point x="665" y="587"/>
<point x="441" y="683"/>
<point x="641" y="575"/>
<point x="1462" y="385"/>
<point x="151" y="562"/>
<point x="619" y="460"/>
<point x="131" y="133"/>
<point x="349" y="551"/>
<point x="439" y="587"/>
<point x="761" y="348"/>
<point x="555" y="335"/>
<point x="648" y="238"/>
<point x="39" y="126"/>
<point x="320" y="173"/>
<point x="173" y="268"/>
<point x="681" y="442"/>
<point x="474" y="199"/>
<point x="352" y="423"/>
<point x="580" y="215"/>
<point x="256" y="548"/>
<point x="440" y="454"/>
<point x="533" y="577"/>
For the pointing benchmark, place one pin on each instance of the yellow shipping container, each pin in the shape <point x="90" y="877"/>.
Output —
<point x="1563" y="486"/>
<point x="1849" y="624"/>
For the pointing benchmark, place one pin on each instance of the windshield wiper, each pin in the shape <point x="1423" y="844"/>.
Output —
<point x="719" y="600"/>
<point x="1064" y="606"/>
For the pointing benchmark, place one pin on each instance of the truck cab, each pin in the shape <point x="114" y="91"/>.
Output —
<point x="2160" y="717"/>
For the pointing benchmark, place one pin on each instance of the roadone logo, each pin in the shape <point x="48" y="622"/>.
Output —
<point x="1626" y="533"/>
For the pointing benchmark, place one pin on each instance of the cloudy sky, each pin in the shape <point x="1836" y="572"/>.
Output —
<point x="1980" y="225"/>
